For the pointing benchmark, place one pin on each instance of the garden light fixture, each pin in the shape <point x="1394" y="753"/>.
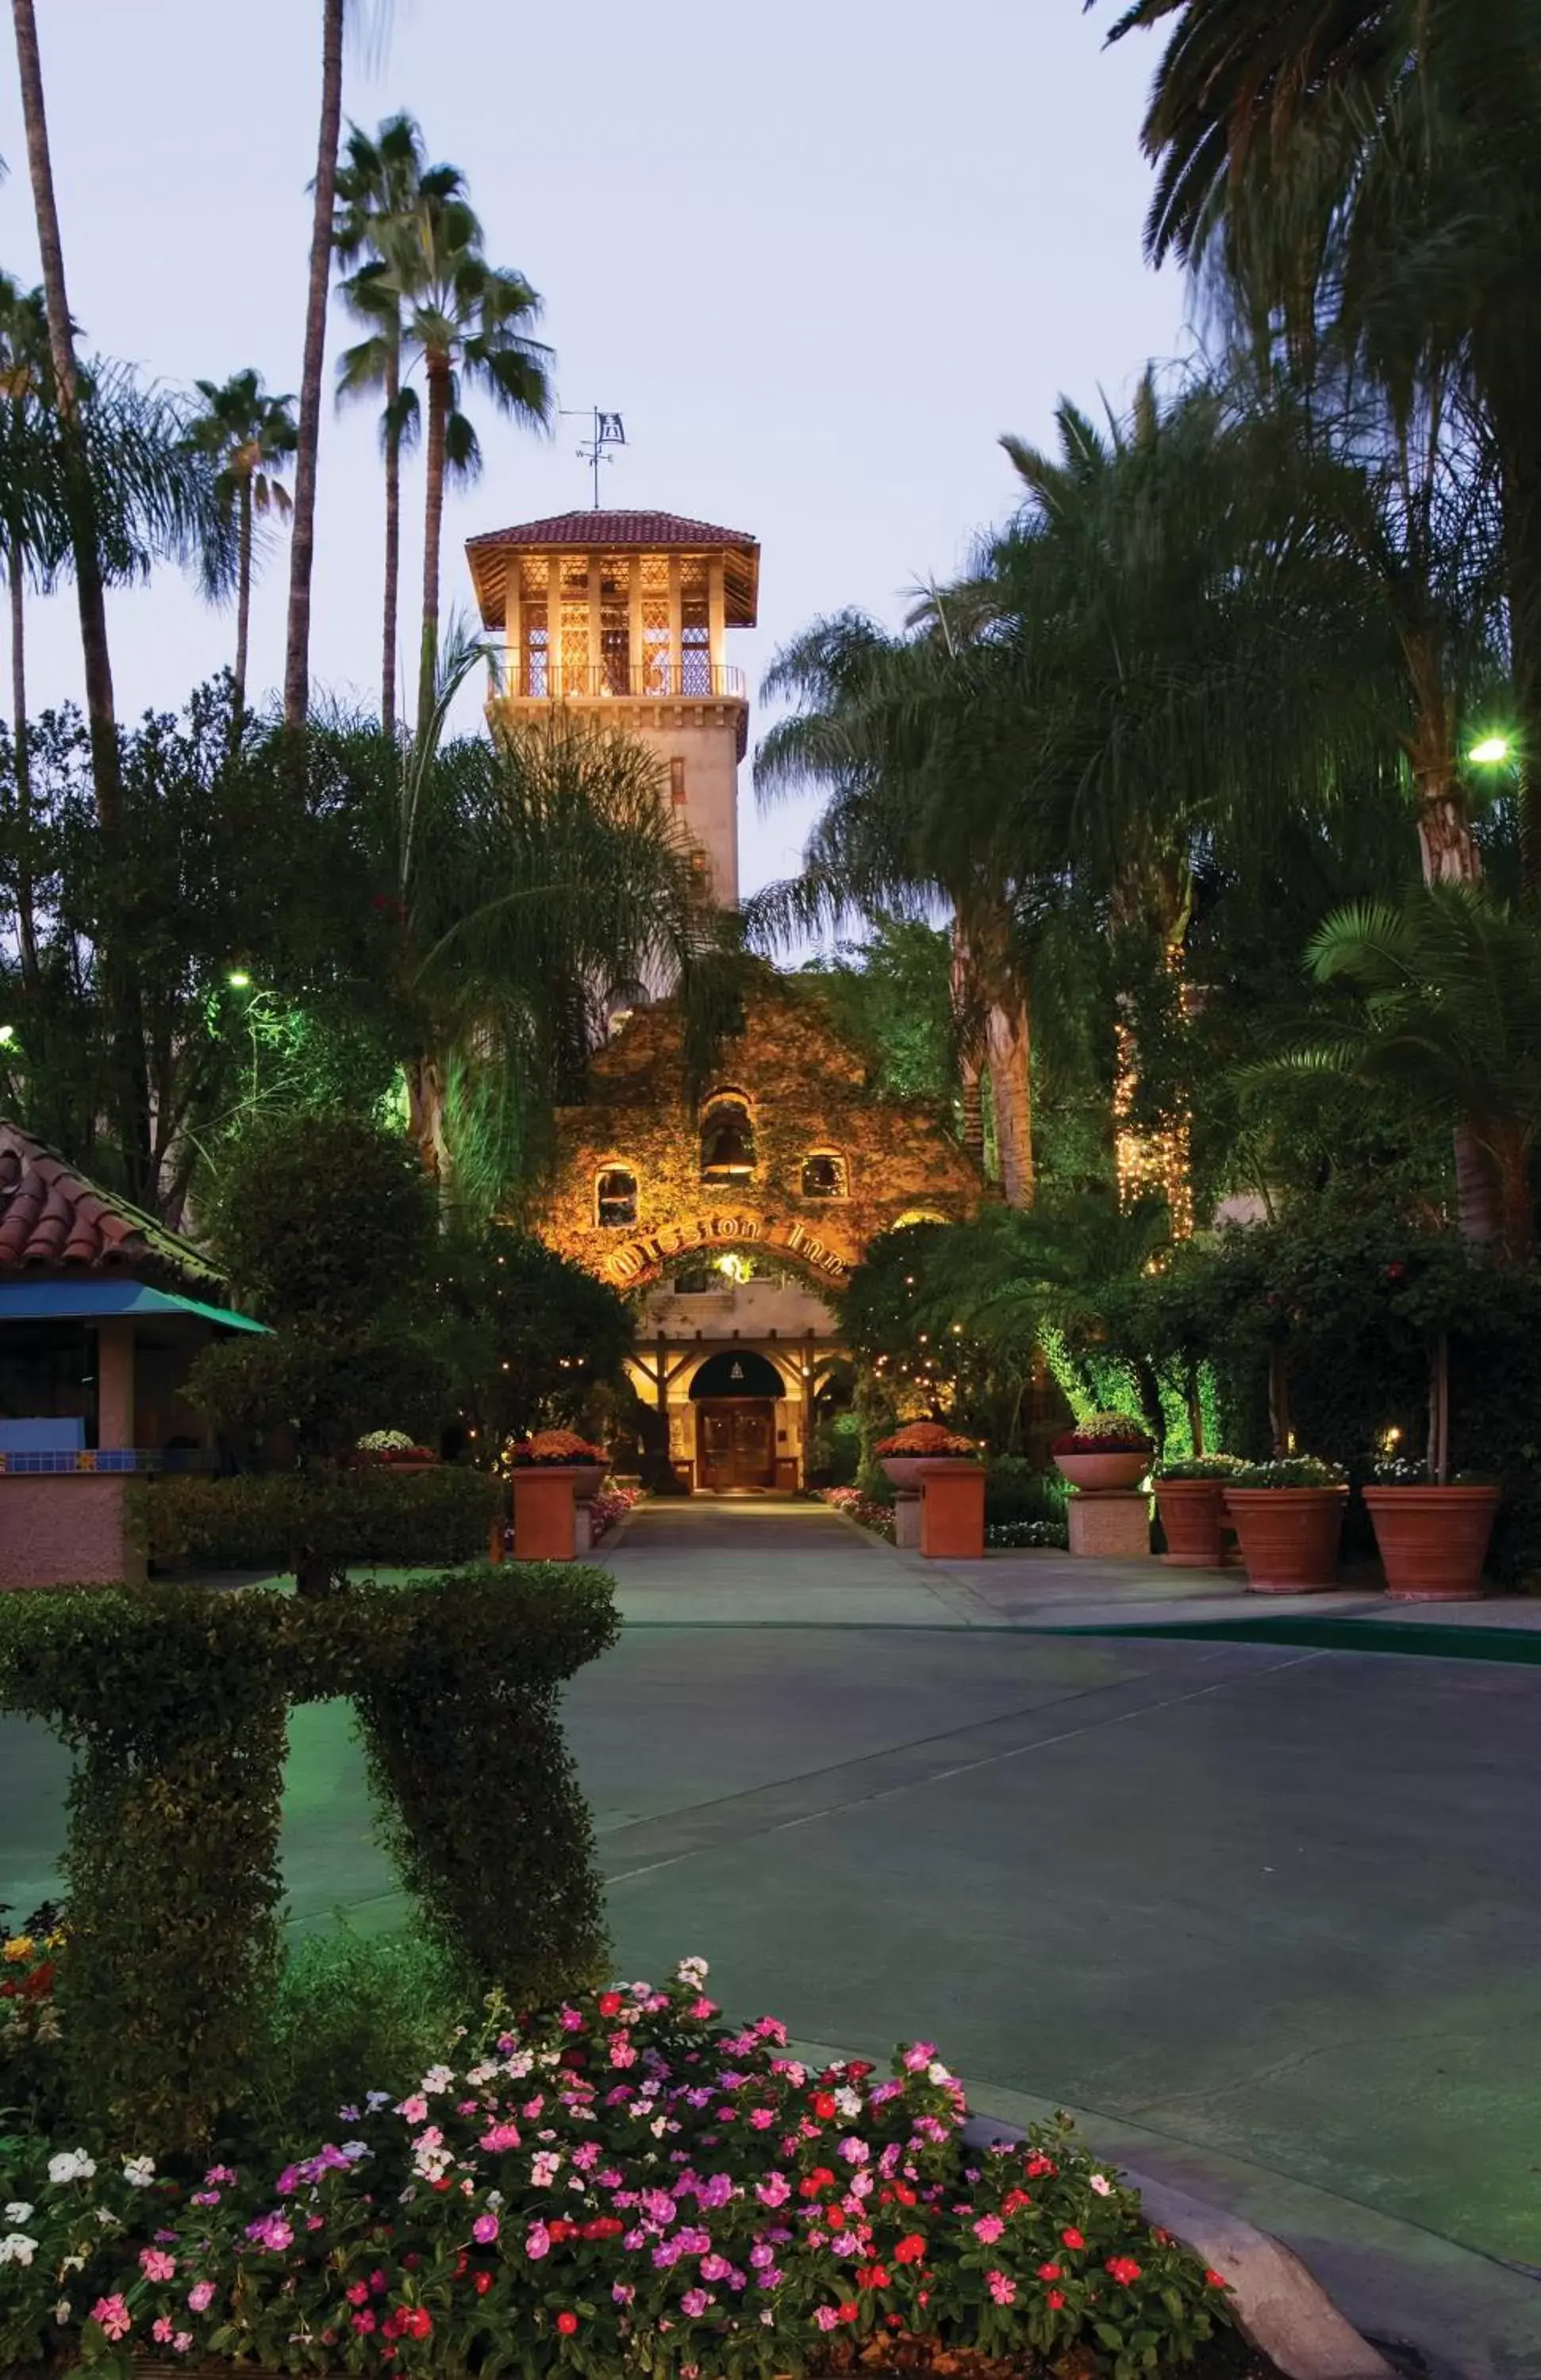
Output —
<point x="1491" y="753"/>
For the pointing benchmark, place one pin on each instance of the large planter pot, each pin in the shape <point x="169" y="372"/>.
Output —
<point x="1289" y="1537"/>
<point x="588" y="1479"/>
<point x="1101" y="1475"/>
<point x="544" y="1521"/>
<point x="1191" y="1511"/>
<point x="1433" y="1541"/>
<point x="911" y="1471"/>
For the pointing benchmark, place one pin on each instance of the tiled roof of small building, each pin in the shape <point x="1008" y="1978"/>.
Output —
<point x="654" y="531"/>
<point x="53" y="1219"/>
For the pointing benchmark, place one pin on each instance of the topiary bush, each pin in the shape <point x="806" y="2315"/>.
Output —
<point x="175" y="1700"/>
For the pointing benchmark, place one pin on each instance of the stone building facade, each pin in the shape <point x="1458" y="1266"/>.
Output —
<point x="729" y="1215"/>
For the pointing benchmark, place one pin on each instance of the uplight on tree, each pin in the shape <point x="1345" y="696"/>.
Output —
<point x="1491" y="753"/>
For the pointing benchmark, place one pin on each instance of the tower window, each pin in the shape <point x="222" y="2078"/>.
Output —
<point x="676" y="780"/>
<point x="824" y="1176"/>
<point x="615" y="1198"/>
<point x="727" y="1139"/>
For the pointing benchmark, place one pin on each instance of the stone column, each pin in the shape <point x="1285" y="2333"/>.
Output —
<point x="633" y="591"/>
<point x="596" y="604"/>
<point x="114" y="1382"/>
<point x="716" y="615"/>
<point x="676" y="630"/>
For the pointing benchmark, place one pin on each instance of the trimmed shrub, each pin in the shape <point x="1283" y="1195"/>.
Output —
<point x="175" y="1700"/>
<point x="265" y="1520"/>
<point x="347" y="2006"/>
<point x="1016" y="1492"/>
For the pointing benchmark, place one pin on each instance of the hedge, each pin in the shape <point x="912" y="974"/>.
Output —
<point x="268" y="1519"/>
<point x="175" y="1700"/>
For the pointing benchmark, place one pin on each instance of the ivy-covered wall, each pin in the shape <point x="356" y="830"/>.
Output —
<point x="808" y="1092"/>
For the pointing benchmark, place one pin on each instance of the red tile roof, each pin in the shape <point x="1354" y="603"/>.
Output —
<point x="53" y="1219"/>
<point x="650" y="530"/>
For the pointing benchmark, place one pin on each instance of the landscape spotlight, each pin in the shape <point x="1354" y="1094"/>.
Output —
<point x="1491" y="753"/>
<point x="7" y="1034"/>
<point x="239" y="979"/>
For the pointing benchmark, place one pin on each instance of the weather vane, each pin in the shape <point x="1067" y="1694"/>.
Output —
<point x="608" y="431"/>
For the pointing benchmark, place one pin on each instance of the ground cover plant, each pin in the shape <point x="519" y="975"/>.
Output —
<point x="624" y="2182"/>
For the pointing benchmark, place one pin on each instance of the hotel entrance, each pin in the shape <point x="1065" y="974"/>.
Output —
<point x="735" y="1394"/>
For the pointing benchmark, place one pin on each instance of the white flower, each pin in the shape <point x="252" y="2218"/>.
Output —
<point x="16" y="2248"/>
<point x="437" y="2078"/>
<point x="17" y="2211"/>
<point x="848" y="2102"/>
<point x="105" y="2215"/>
<point x="495" y="2198"/>
<point x="74" y="2264"/>
<point x="139" y="2171"/>
<point x="937" y="2072"/>
<point x="61" y="2312"/>
<point x="71" y="2164"/>
<point x="1102" y="2186"/>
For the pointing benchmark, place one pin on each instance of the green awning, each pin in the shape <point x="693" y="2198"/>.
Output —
<point x="94" y="1297"/>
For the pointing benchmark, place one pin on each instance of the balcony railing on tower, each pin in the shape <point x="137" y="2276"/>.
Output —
<point x="533" y="676"/>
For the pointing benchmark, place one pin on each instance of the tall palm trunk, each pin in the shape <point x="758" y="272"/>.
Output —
<point x="302" y="542"/>
<point x="1446" y="844"/>
<point x="100" y="710"/>
<point x="243" y="594"/>
<point x="1011" y="1081"/>
<point x="1448" y="854"/>
<point x="433" y="521"/>
<point x="26" y="903"/>
<point x="971" y="1099"/>
<point x="393" y="541"/>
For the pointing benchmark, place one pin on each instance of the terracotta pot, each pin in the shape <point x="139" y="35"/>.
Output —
<point x="1289" y="1537"/>
<point x="588" y="1479"/>
<point x="1433" y="1541"/>
<point x="910" y="1470"/>
<point x="1191" y="1511"/>
<point x="1098" y="1475"/>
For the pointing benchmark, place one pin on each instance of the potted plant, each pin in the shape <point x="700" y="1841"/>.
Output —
<point x="911" y="1454"/>
<point x="1431" y="1533"/>
<point x="1289" y="1517"/>
<point x="1109" y="1453"/>
<point x="562" y="1449"/>
<point x="1190" y="1498"/>
<point x="393" y="1450"/>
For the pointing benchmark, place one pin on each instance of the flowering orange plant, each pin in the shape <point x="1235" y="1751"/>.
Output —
<point x="556" y="1446"/>
<point x="925" y="1437"/>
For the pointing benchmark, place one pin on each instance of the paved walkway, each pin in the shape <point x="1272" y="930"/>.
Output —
<point x="1267" y="1915"/>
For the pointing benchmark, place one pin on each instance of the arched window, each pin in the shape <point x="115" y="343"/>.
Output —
<point x="615" y="1198"/>
<point x="824" y="1176"/>
<point x="727" y="1137"/>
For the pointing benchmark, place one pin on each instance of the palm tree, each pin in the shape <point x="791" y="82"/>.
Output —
<point x="465" y="319"/>
<point x="302" y="541"/>
<point x="380" y="188"/>
<point x="1367" y="178"/>
<point x="249" y="436"/>
<point x="532" y="876"/>
<point x="26" y="385"/>
<point x="1450" y="985"/>
<point x="100" y="709"/>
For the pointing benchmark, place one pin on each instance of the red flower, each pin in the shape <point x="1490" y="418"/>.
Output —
<point x="559" y="2230"/>
<point x="1123" y="2270"/>
<point x="1049" y="2272"/>
<point x="835" y="2217"/>
<point x="858" y="2067"/>
<point x="1072" y="2238"/>
<point x="1056" y="2299"/>
<point x="610" y="2003"/>
<point x="812" y="2183"/>
<point x="849" y="2310"/>
<point x="603" y="2227"/>
<point x="823" y="2106"/>
<point x="910" y="2250"/>
<point x="1217" y="2280"/>
<point x="903" y="2193"/>
<point x="1041" y="2164"/>
<point x="417" y="2321"/>
<point x="871" y="2276"/>
<point x="566" y="2324"/>
<point x="460" y="2263"/>
<point x="482" y="2283"/>
<point x="1014" y="2200"/>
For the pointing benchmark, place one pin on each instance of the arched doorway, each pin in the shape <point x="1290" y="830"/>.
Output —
<point x="735" y="1394"/>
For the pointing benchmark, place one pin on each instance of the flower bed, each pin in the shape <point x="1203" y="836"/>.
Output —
<point x="1105" y="1434"/>
<point x="924" y="1438"/>
<point x="611" y="1506"/>
<point x="626" y="2183"/>
<point x="866" y="1510"/>
<point x="554" y="1446"/>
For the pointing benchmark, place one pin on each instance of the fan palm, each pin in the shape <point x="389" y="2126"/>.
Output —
<point x="1450" y="985"/>
<point x="1369" y="173"/>
<point x="533" y="875"/>
<point x="249" y="437"/>
<point x="380" y="184"/>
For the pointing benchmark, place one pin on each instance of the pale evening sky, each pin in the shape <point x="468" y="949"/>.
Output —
<point x="819" y="254"/>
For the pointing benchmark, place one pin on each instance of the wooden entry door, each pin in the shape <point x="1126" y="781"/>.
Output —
<point x="735" y="1442"/>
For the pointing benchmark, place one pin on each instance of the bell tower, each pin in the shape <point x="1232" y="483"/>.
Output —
<point x="624" y="615"/>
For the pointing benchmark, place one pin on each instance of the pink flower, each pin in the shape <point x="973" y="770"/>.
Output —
<point x="762" y="2118"/>
<point x="113" y="2315"/>
<point x="499" y="2137"/>
<point x="826" y="2317"/>
<point x="1001" y="2288"/>
<point x="156" y="2266"/>
<point x="570" y="2020"/>
<point x="989" y="2228"/>
<point x="201" y="2297"/>
<point x="620" y="2052"/>
<point x="694" y="2302"/>
<point x="363" y="2321"/>
<point x="162" y="2329"/>
<point x="773" y="2191"/>
<point x="415" y="2110"/>
<point x="356" y="2292"/>
<point x="182" y="2341"/>
<point x="702" y="2009"/>
<point x="484" y="2230"/>
<point x="623" y="2292"/>
<point x="538" y="2241"/>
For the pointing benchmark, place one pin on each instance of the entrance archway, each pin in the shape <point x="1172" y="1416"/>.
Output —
<point x="735" y="1394"/>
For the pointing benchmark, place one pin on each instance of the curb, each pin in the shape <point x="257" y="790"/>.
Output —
<point x="1281" y="2309"/>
